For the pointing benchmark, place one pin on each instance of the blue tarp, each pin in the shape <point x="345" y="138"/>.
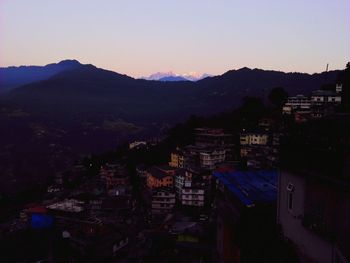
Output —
<point x="41" y="221"/>
<point x="250" y="187"/>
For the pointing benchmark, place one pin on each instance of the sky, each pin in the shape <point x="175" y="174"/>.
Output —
<point x="141" y="37"/>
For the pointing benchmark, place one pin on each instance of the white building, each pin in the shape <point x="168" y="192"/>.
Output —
<point x="209" y="159"/>
<point x="163" y="201"/>
<point x="253" y="138"/>
<point x="298" y="103"/>
<point x="192" y="196"/>
<point x="321" y="97"/>
<point x="314" y="217"/>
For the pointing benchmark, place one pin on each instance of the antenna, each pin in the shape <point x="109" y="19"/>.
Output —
<point x="326" y="75"/>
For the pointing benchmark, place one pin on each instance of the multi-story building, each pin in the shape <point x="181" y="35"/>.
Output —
<point x="299" y="103"/>
<point x="206" y="157"/>
<point x="181" y="177"/>
<point x="160" y="176"/>
<point x="192" y="187"/>
<point x="212" y="137"/>
<point x="254" y="138"/>
<point x="193" y="194"/>
<point x="211" y="157"/>
<point x="245" y="205"/>
<point x="325" y="97"/>
<point x="314" y="190"/>
<point x="314" y="214"/>
<point x="163" y="201"/>
<point x="177" y="159"/>
<point x="114" y="175"/>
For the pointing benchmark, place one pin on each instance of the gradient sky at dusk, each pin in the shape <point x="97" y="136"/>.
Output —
<point x="139" y="37"/>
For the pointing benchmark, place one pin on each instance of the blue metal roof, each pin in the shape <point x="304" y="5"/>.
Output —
<point x="250" y="187"/>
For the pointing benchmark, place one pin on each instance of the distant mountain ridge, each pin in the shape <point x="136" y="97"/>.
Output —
<point x="171" y="76"/>
<point x="12" y="77"/>
<point x="86" y="89"/>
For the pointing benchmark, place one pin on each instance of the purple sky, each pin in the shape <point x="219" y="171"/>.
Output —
<point x="139" y="37"/>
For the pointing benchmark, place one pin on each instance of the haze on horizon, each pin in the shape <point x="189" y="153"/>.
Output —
<point x="139" y="38"/>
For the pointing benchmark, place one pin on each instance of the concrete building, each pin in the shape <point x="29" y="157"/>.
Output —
<point x="245" y="205"/>
<point x="325" y="97"/>
<point x="114" y="175"/>
<point x="254" y="138"/>
<point x="177" y="159"/>
<point x="211" y="137"/>
<point x="193" y="194"/>
<point x="160" y="176"/>
<point x="314" y="214"/>
<point x="210" y="158"/>
<point x="163" y="201"/>
<point x="299" y="103"/>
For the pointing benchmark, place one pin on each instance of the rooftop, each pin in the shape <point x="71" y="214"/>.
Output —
<point x="158" y="173"/>
<point x="250" y="187"/>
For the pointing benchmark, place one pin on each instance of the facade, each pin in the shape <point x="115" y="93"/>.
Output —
<point x="210" y="158"/>
<point x="299" y="103"/>
<point x="211" y="137"/>
<point x="192" y="194"/>
<point x="253" y="138"/>
<point x="160" y="176"/>
<point x="206" y="157"/>
<point x="322" y="97"/>
<point x="180" y="179"/>
<point x="177" y="159"/>
<point x="315" y="215"/>
<point x="114" y="175"/>
<point x="243" y="201"/>
<point x="163" y="201"/>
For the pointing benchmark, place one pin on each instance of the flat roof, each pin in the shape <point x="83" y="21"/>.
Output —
<point x="250" y="187"/>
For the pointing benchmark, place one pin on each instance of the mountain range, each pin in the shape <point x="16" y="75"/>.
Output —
<point x="51" y="115"/>
<point x="12" y="77"/>
<point x="69" y="88"/>
<point x="171" y="76"/>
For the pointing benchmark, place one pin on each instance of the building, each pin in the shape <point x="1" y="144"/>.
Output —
<point x="193" y="194"/>
<point x="314" y="214"/>
<point x="314" y="190"/>
<point x="137" y="144"/>
<point x="325" y="97"/>
<point x="160" y="176"/>
<point x="253" y="138"/>
<point x="206" y="157"/>
<point x="114" y="175"/>
<point x="299" y="103"/>
<point x="181" y="177"/>
<point x="245" y="205"/>
<point x="163" y="201"/>
<point x="192" y="187"/>
<point x="177" y="159"/>
<point x="209" y="158"/>
<point x="95" y="241"/>
<point x="211" y="137"/>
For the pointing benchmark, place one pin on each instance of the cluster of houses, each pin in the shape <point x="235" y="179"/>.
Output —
<point x="321" y="103"/>
<point x="234" y="182"/>
<point x="186" y="180"/>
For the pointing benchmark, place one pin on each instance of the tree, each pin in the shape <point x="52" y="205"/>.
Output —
<point x="278" y="96"/>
